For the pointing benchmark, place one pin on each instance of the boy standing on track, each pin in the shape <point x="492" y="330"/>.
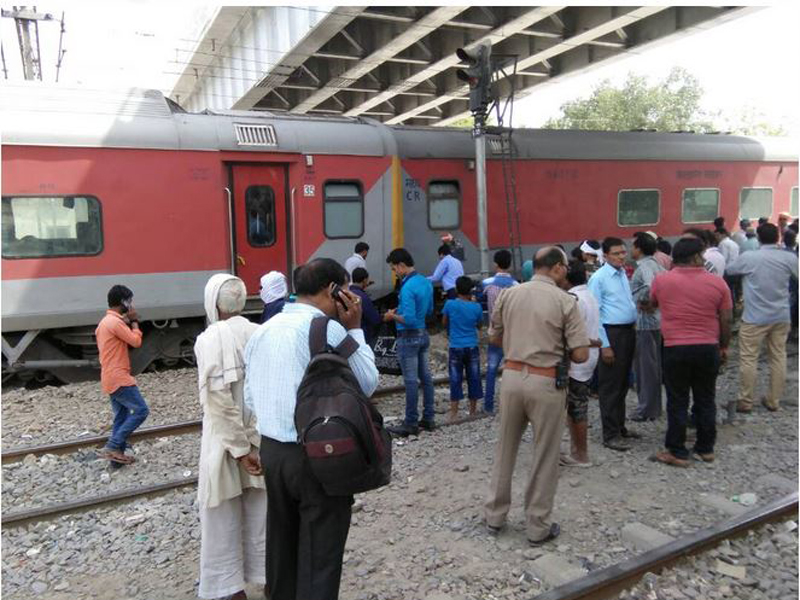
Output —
<point x="462" y="318"/>
<point x="118" y="330"/>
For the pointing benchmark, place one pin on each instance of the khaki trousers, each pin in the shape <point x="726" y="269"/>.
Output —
<point x="750" y="339"/>
<point x="526" y="398"/>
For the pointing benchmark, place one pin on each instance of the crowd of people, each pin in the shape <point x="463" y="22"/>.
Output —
<point x="591" y="324"/>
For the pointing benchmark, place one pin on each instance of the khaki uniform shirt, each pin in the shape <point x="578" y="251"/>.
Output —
<point x="534" y="318"/>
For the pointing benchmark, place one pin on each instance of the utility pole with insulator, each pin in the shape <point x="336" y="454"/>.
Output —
<point x="478" y="74"/>
<point x="28" y="47"/>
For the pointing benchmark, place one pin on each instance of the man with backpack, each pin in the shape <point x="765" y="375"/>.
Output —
<point x="306" y="526"/>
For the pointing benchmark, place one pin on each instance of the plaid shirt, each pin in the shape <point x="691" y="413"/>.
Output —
<point x="643" y="277"/>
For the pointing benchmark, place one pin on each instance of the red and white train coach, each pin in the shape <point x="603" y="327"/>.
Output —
<point x="100" y="188"/>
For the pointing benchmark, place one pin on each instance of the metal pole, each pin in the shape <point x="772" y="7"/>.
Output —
<point x="480" y="178"/>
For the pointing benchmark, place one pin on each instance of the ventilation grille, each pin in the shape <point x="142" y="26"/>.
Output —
<point x="495" y="144"/>
<point x="255" y="135"/>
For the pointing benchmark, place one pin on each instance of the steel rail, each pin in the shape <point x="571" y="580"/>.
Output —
<point x="609" y="582"/>
<point x="22" y="517"/>
<point x="172" y="429"/>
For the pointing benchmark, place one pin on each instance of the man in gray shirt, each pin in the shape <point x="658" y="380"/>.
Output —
<point x="766" y="273"/>
<point x="647" y="357"/>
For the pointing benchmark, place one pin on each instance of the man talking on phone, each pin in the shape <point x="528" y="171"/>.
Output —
<point x="116" y="331"/>
<point x="306" y="528"/>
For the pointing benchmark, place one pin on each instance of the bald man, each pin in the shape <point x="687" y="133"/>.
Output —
<point x="531" y="322"/>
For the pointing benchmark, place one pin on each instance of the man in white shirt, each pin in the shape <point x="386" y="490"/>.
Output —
<point x="358" y="259"/>
<point x="727" y="247"/>
<point x="580" y="374"/>
<point x="306" y="528"/>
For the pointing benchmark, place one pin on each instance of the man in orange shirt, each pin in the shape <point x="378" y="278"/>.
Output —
<point x="118" y="330"/>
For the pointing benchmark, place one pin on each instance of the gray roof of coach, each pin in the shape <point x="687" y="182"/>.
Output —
<point x="430" y="142"/>
<point x="137" y="118"/>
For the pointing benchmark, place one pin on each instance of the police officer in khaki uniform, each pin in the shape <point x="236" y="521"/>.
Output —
<point x="531" y="322"/>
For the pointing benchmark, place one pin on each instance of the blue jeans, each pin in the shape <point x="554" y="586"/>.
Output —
<point x="130" y="410"/>
<point x="469" y="360"/>
<point x="493" y="359"/>
<point x="412" y="354"/>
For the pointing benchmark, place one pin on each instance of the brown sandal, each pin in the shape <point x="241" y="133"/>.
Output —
<point x="117" y="456"/>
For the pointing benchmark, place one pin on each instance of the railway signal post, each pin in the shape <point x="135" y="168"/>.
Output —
<point x="478" y="75"/>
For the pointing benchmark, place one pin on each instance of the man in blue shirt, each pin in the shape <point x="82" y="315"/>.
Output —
<point x="491" y="288"/>
<point x="611" y="289"/>
<point x="416" y="302"/>
<point x="447" y="271"/>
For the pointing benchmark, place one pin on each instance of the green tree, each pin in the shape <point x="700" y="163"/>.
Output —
<point x="670" y="105"/>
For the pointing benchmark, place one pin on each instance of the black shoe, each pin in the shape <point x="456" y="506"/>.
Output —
<point x="403" y="430"/>
<point x="493" y="529"/>
<point x="555" y="531"/>
<point x="617" y="443"/>
<point x="427" y="425"/>
<point x="630" y="434"/>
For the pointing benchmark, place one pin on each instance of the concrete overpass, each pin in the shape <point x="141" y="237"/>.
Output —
<point x="397" y="64"/>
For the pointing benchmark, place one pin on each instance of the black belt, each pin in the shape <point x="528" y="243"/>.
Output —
<point x="410" y="332"/>
<point x="622" y="326"/>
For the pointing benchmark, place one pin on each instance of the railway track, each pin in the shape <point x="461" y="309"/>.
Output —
<point x="35" y="515"/>
<point x="609" y="582"/>
<point x="172" y="429"/>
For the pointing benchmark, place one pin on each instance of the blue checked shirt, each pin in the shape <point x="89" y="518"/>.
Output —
<point x="276" y="358"/>
<point x="641" y="281"/>
<point x="613" y="294"/>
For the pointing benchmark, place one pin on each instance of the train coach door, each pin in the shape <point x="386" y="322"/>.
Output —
<point x="259" y="216"/>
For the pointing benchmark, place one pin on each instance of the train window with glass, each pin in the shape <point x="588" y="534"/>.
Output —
<point x="700" y="205"/>
<point x="51" y="226"/>
<point x="793" y="208"/>
<point x="638" y="207"/>
<point x="444" y="205"/>
<point x="755" y="203"/>
<point x="344" y="210"/>
<point x="259" y="203"/>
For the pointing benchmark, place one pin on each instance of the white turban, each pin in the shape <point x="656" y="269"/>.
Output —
<point x="587" y="249"/>
<point x="273" y="287"/>
<point x="218" y="360"/>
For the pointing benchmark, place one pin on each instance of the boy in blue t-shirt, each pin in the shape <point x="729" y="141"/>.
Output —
<point x="463" y="317"/>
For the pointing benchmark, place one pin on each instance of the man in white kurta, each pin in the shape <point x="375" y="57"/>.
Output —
<point x="231" y="491"/>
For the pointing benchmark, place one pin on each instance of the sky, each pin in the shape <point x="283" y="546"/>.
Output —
<point x="750" y="63"/>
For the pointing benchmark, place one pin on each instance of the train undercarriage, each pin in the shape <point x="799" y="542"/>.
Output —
<point x="70" y="355"/>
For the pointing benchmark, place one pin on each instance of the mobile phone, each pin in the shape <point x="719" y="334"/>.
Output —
<point x="126" y="305"/>
<point x="335" y="294"/>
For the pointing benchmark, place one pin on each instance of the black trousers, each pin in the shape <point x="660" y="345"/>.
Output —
<point x="691" y="370"/>
<point x="614" y="380"/>
<point x="306" y="528"/>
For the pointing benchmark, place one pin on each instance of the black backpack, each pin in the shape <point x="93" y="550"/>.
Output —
<point x="342" y="432"/>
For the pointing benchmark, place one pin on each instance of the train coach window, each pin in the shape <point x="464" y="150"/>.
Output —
<point x="41" y="227"/>
<point x="444" y="205"/>
<point x="637" y="207"/>
<point x="259" y="202"/>
<point x="793" y="208"/>
<point x="700" y="205"/>
<point x="755" y="203"/>
<point x="344" y="210"/>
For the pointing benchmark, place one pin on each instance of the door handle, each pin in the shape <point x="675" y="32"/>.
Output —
<point x="240" y="260"/>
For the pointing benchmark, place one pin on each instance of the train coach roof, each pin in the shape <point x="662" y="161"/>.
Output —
<point x="430" y="142"/>
<point x="50" y="116"/>
<point x="41" y="114"/>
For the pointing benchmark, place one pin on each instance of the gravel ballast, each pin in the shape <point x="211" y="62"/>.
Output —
<point x="420" y="537"/>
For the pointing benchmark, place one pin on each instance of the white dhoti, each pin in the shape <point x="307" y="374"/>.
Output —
<point x="232" y="544"/>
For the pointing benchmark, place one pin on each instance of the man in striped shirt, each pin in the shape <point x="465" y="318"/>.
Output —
<point x="306" y="528"/>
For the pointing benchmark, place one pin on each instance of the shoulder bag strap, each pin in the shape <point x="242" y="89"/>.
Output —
<point x="318" y="335"/>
